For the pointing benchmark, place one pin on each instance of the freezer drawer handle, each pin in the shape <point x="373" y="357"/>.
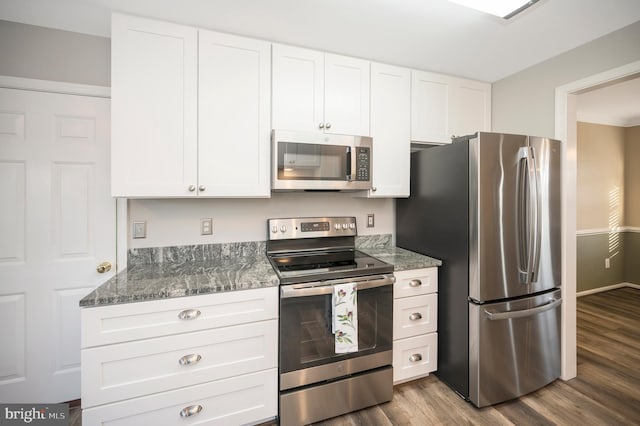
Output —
<point x="494" y="316"/>
<point x="415" y="283"/>
<point x="191" y="410"/>
<point x="415" y="358"/>
<point x="189" y="359"/>
<point x="188" y="314"/>
<point x="415" y="316"/>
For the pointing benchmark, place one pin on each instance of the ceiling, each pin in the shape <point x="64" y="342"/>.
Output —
<point x="617" y="104"/>
<point x="427" y="34"/>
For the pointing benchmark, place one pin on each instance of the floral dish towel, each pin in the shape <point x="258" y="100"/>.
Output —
<point x="345" y="317"/>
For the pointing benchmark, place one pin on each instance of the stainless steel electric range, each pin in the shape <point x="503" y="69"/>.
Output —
<point x="324" y="370"/>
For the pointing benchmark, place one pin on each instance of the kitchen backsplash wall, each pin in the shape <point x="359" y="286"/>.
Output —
<point x="175" y="222"/>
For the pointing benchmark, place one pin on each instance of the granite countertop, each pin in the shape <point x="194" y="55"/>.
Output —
<point x="167" y="272"/>
<point x="402" y="259"/>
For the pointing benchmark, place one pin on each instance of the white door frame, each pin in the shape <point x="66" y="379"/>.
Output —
<point x="8" y="82"/>
<point x="566" y="130"/>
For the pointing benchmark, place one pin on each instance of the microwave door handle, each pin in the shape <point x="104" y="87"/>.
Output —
<point x="348" y="164"/>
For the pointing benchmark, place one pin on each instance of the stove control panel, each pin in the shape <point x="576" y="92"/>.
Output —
<point x="311" y="227"/>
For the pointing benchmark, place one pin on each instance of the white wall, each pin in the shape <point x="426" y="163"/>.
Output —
<point x="30" y="51"/>
<point x="525" y="102"/>
<point x="177" y="222"/>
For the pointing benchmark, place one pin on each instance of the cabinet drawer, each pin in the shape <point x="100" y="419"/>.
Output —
<point x="415" y="282"/>
<point x="128" y="370"/>
<point x="239" y="400"/>
<point x="415" y="315"/>
<point x="414" y="357"/>
<point x="142" y="320"/>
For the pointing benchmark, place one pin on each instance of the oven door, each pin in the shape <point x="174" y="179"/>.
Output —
<point x="307" y="345"/>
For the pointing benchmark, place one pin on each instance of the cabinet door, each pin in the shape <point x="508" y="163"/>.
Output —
<point x="470" y="107"/>
<point x="233" y="116"/>
<point x="297" y="87"/>
<point x="390" y="129"/>
<point x="346" y="95"/>
<point x="154" y="101"/>
<point x="429" y="107"/>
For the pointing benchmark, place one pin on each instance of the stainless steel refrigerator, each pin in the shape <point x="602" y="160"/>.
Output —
<point x="488" y="206"/>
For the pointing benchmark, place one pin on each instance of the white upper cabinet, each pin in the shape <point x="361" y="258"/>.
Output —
<point x="322" y="92"/>
<point x="233" y="116"/>
<point x="154" y="93"/>
<point x="390" y="129"/>
<point x="444" y="106"/>
<point x="190" y="112"/>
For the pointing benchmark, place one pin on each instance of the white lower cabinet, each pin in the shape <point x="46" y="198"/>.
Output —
<point x="199" y="368"/>
<point x="239" y="400"/>
<point x="415" y="324"/>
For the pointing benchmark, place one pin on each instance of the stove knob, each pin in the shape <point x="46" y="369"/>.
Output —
<point x="283" y="228"/>
<point x="274" y="229"/>
<point x="344" y="226"/>
<point x="352" y="226"/>
<point x="337" y="226"/>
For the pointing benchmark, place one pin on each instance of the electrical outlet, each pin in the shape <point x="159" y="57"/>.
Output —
<point x="206" y="226"/>
<point x="607" y="263"/>
<point x="139" y="229"/>
<point x="371" y="220"/>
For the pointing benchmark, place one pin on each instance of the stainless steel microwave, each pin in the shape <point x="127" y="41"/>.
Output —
<point x="320" y="161"/>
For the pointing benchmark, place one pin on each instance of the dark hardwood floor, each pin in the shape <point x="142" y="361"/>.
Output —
<point x="605" y="392"/>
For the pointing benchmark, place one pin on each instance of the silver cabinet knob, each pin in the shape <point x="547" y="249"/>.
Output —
<point x="415" y="283"/>
<point x="321" y="126"/>
<point x="328" y="125"/>
<point x="189" y="359"/>
<point x="201" y="188"/>
<point x="191" y="410"/>
<point x="415" y="358"/>
<point x="415" y="316"/>
<point x="189" y="314"/>
<point x="192" y="188"/>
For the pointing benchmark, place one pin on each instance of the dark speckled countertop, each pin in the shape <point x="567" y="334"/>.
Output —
<point x="167" y="272"/>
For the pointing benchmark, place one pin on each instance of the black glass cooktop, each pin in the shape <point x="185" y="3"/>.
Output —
<point x="298" y="267"/>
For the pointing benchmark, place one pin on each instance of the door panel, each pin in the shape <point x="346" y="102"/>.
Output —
<point x="547" y="153"/>
<point x="514" y="347"/>
<point x="57" y="223"/>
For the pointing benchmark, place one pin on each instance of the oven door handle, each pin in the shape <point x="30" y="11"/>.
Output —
<point x="326" y="287"/>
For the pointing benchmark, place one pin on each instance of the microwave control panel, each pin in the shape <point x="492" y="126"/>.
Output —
<point x="363" y="163"/>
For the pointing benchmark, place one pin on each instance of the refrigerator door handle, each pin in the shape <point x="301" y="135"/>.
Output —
<point x="494" y="315"/>
<point x="529" y="216"/>
<point x="535" y="217"/>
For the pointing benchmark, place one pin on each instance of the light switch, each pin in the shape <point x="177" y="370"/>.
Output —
<point x="139" y="229"/>
<point x="371" y="220"/>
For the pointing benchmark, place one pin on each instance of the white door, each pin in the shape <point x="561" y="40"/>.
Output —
<point x="154" y="90"/>
<point x="429" y="107"/>
<point x="57" y="223"/>
<point x="390" y="129"/>
<point x="234" y="126"/>
<point x="346" y="95"/>
<point x="298" y="89"/>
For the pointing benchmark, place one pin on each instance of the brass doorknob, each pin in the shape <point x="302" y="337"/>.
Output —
<point x="104" y="267"/>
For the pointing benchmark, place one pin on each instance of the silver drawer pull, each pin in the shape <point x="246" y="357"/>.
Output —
<point x="415" y="316"/>
<point x="189" y="314"/>
<point x="191" y="410"/>
<point x="415" y="283"/>
<point x="415" y="358"/>
<point x="189" y="359"/>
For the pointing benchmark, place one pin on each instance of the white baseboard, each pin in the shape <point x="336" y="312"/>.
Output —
<point x="606" y="288"/>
